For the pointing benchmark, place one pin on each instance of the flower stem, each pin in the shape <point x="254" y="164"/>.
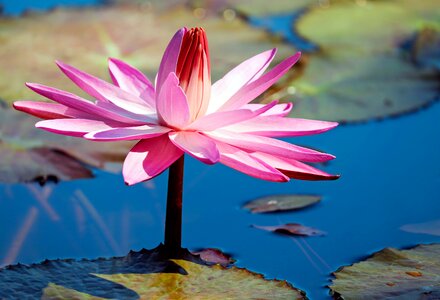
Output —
<point x="173" y="222"/>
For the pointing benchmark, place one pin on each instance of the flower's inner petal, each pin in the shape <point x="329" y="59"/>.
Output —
<point x="240" y="160"/>
<point x="280" y="110"/>
<point x="104" y="91"/>
<point x="196" y="145"/>
<point x="131" y="80"/>
<point x="293" y="168"/>
<point x="127" y="133"/>
<point x="49" y="111"/>
<point x="259" y="86"/>
<point x="274" y="126"/>
<point x="75" y="127"/>
<point x="172" y="105"/>
<point x="149" y="158"/>
<point x="234" y="80"/>
<point x="169" y="60"/>
<point x="252" y="143"/>
<point x="75" y="102"/>
<point x="224" y="118"/>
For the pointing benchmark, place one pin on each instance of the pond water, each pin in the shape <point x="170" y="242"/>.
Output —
<point x="390" y="178"/>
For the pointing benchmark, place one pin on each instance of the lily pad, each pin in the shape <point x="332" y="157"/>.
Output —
<point x="359" y="72"/>
<point x="292" y="229"/>
<point x="281" y="203"/>
<point x="86" y="37"/>
<point x="145" y="275"/>
<point x="30" y="154"/>
<point x="392" y="274"/>
<point x="431" y="228"/>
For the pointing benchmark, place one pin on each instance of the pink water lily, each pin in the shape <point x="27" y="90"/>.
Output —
<point x="183" y="113"/>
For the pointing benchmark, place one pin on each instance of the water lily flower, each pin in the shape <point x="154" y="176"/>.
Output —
<point x="182" y="112"/>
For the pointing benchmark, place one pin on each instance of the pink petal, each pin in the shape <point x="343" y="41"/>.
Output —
<point x="172" y="106"/>
<point x="252" y="166"/>
<point x="293" y="168"/>
<point x="263" y="144"/>
<point x="280" y="110"/>
<point x="273" y="126"/>
<point x="74" y="127"/>
<point x="104" y="91"/>
<point x="149" y="158"/>
<point x="234" y="80"/>
<point x="169" y="60"/>
<point x="196" y="145"/>
<point x="257" y="87"/>
<point x="75" y="102"/>
<point x="127" y="133"/>
<point x="46" y="110"/>
<point x="224" y="118"/>
<point x="131" y="80"/>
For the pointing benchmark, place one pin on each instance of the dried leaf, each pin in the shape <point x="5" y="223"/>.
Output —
<point x="392" y="274"/>
<point x="215" y="256"/>
<point x="281" y="203"/>
<point x="292" y="229"/>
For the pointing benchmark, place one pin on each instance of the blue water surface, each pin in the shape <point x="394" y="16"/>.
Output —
<point x="390" y="177"/>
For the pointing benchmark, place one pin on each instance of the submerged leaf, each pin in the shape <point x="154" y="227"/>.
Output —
<point x="281" y="203"/>
<point x="292" y="229"/>
<point x="431" y="227"/>
<point x="392" y="274"/>
<point x="139" y="275"/>
<point x="359" y="72"/>
<point x="30" y="154"/>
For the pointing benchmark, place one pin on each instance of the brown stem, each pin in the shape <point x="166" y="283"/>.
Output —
<point x="173" y="221"/>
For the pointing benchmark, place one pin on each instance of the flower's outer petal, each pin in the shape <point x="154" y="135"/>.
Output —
<point x="48" y="111"/>
<point x="104" y="91"/>
<point x="169" y="59"/>
<point x="254" y="89"/>
<point x="293" y="168"/>
<point x="127" y="133"/>
<point x="240" y="160"/>
<point x="273" y="126"/>
<point x="131" y="80"/>
<point x="196" y="145"/>
<point x="272" y="146"/>
<point x="234" y="80"/>
<point x="73" y="101"/>
<point x="224" y="118"/>
<point x="148" y="158"/>
<point x="74" y="127"/>
<point x="280" y="110"/>
<point x="172" y="105"/>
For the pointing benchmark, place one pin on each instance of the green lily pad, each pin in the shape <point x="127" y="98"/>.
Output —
<point x="139" y="275"/>
<point x="391" y="274"/>
<point x="281" y="203"/>
<point x="86" y="37"/>
<point x="359" y="72"/>
<point x="30" y="154"/>
<point x="292" y="229"/>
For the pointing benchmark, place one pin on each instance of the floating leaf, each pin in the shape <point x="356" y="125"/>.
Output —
<point x="215" y="256"/>
<point x="86" y="37"/>
<point x="139" y="275"/>
<point x="281" y="203"/>
<point x="30" y="154"/>
<point x="431" y="227"/>
<point x="424" y="48"/>
<point x="359" y="73"/>
<point x="392" y="274"/>
<point x="292" y="229"/>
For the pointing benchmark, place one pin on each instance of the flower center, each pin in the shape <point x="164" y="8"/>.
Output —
<point x="194" y="71"/>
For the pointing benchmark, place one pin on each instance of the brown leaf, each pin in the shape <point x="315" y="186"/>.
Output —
<point x="281" y="203"/>
<point x="216" y="256"/>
